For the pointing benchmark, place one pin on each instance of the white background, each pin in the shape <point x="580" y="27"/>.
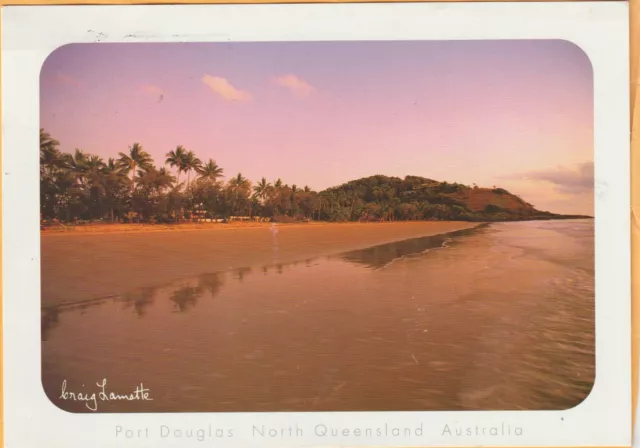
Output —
<point x="30" y="34"/>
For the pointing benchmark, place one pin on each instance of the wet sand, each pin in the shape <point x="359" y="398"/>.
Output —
<point x="500" y="317"/>
<point x="101" y="261"/>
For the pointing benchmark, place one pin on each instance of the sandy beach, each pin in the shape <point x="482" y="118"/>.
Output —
<point x="92" y="262"/>
<point x="410" y="325"/>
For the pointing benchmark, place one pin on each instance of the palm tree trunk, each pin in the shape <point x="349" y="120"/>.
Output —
<point x="100" y="206"/>
<point x="133" y="180"/>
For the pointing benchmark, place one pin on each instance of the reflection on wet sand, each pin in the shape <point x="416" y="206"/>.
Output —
<point x="379" y="256"/>
<point x="185" y="297"/>
<point x="500" y="318"/>
<point x="48" y="320"/>
<point x="211" y="283"/>
<point x="242" y="272"/>
<point x="140" y="299"/>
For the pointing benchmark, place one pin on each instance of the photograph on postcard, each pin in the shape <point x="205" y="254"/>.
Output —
<point x="317" y="226"/>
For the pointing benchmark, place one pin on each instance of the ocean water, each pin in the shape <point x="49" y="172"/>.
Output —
<point x="500" y="317"/>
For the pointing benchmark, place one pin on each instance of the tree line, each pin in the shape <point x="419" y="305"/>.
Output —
<point x="132" y="187"/>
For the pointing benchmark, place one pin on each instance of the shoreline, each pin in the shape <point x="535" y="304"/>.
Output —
<point x="126" y="228"/>
<point x="92" y="265"/>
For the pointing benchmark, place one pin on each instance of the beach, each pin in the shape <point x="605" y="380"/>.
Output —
<point x="92" y="262"/>
<point x="498" y="317"/>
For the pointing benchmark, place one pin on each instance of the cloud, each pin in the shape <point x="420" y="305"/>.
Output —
<point x="154" y="91"/>
<point x="67" y="79"/>
<point x="223" y="87"/>
<point x="577" y="180"/>
<point x="297" y="86"/>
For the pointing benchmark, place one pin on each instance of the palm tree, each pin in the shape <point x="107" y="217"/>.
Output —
<point x="176" y="159"/>
<point x="50" y="156"/>
<point x="239" y="187"/>
<point x="91" y="167"/>
<point x="113" y="166"/>
<point x="53" y="175"/>
<point x="156" y="178"/>
<point x="191" y="163"/>
<point x="92" y="172"/>
<point x="240" y="182"/>
<point x="261" y="190"/>
<point x="137" y="158"/>
<point x="153" y="184"/>
<point x="165" y="178"/>
<point x="115" y="182"/>
<point x="46" y="141"/>
<point x="78" y="164"/>
<point x="294" y="203"/>
<point x="210" y="171"/>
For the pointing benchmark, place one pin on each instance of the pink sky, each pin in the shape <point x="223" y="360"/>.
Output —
<point x="516" y="114"/>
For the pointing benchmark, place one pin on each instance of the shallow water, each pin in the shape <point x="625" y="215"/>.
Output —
<point x="498" y="318"/>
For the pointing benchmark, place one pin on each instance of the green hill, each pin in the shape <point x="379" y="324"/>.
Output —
<point x="418" y="198"/>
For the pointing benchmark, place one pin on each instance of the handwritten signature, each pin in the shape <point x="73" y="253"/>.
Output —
<point x="91" y="400"/>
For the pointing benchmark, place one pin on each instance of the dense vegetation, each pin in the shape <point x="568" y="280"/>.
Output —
<point x="131" y="187"/>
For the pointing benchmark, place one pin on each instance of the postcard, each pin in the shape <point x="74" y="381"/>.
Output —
<point x="316" y="225"/>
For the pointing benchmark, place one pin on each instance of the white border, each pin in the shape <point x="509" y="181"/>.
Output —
<point x="30" y="34"/>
